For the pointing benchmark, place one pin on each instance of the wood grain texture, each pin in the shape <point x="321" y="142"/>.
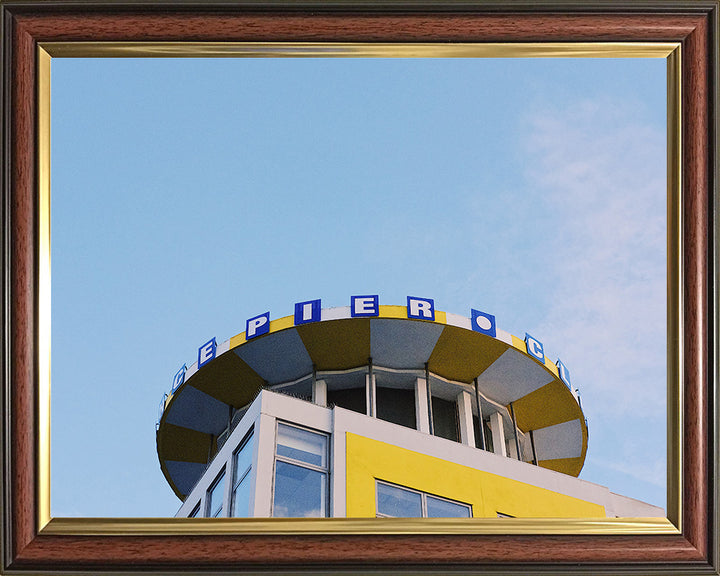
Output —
<point x="688" y="551"/>
<point x="696" y="201"/>
<point x="345" y="551"/>
<point x="22" y="286"/>
<point x="322" y="27"/>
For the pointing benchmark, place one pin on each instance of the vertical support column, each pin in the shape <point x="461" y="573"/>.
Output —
<point x="421" y="406"/>
<point x="229" y="481"/>
<point x="532" y="444"/>
<point x="370" y="396"/>
<point x="428" y="389"/>
<point x="483" y="443"/>
<point x="515" y="432"/>
<point x="261" y="503"/>
<point x="319" y="392"/>
<point x="467" y="432"/>
<point x="338" y="482"/>
<point x="498" y="434"/>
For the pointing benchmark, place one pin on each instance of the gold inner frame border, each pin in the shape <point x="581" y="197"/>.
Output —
<point x="198" y="526"/>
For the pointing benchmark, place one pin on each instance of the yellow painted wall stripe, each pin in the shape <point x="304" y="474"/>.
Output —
<point x="368" y="460"/>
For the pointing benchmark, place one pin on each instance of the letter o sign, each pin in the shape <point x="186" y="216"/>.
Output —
<point x="483" y="322"/>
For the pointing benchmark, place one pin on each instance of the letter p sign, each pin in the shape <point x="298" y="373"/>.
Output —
<point x="257" y="326"/>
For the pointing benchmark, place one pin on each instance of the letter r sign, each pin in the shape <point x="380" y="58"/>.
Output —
<point x="420" y="308"/>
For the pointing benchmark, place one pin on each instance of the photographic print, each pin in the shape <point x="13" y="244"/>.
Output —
<point x="515" y="195"/>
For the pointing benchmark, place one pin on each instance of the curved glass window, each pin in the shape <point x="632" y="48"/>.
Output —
<point x="445" y="419"/>
<point x="347" y="389"/>
<point x="396" y="406"/>
<point x="350" y="399"/>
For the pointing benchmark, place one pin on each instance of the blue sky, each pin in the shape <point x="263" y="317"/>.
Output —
<point x="190" y="195"/>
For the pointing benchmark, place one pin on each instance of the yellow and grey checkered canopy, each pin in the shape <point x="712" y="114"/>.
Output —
<point x="198" y="411"/>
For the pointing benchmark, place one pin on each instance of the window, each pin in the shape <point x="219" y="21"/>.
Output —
<point x="347" y="390"/>
<point x="242" y="465"/>
<point x="215" y="496"/>
<point x="350" y="399"/>
<point x="195" y="511"/>
<point x="396" y="406"/>
<point x="399" y="502"/>
<point x="301" y="473"/>
<point x="501" y="515"/>
<point x="445" y="419"/>
<point x="488" y="434"/>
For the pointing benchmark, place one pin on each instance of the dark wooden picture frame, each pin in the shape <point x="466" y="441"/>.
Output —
<point x="30" y="545"/>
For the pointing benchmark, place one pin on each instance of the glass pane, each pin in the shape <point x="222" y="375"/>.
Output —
<point x="241" y="499"/>
<point x="394" y="501"/>
<point x="299" y="492"/>
<point x="243" y="459"/>
<point x="445" y="422"/>
<point x="216" y="497"/>
<point x="302" y="445"/>
<point x="396" y="406"/>
<point x="350" y="398"/>
<point x="437" y="508"/>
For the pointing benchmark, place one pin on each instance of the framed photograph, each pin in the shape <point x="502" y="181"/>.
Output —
<point x="682" y="34"/>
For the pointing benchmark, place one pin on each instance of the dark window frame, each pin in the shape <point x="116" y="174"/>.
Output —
<point x="424" y="496"/>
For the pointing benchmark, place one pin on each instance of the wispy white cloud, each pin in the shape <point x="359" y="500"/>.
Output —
<point x="652" y="472"/>
<point x="602" y="173"/>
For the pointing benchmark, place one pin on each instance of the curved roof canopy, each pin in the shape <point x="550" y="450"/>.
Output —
<point x="197" y="412"/>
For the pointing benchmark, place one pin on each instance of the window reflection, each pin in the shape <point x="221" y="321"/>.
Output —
<point x="215" y="496"/>
<point x="301" y="475"/>
<point x="242" y="479"/>
<point x="400" y="502"/>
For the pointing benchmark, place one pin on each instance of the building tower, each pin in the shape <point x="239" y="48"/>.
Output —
<point x="375" y="411"/>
